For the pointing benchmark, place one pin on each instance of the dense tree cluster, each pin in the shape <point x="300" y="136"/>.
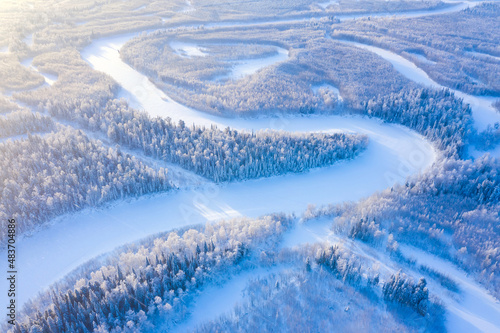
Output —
<point x="42" y="177"/>
<point x="219" y="155"/>
<point x="7" y="106"/>
<point x="24" y="121"/>
<point x="149" y="286"/>
<point x="401" y="289"/>
<point x="438" y="115"/>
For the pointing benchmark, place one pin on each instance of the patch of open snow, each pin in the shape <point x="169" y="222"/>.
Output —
<point x="28" y="40"/>
<point x="247" y="67"/>
<point x="49" y="78"/>
<point x="319" y="231"/>
<point x="188" y="8"/>
<point x="327" y="86"/>
<point x="477" y="310"/>
<point x="240" y="69"/>
<point x="217" y="300"/>
<point x="4" y="49"/>
<point x="483" y="112"/>
<point x="327" y="4"/>
<point x="187" y="50"/>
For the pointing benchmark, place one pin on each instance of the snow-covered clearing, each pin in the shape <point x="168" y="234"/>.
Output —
<point x="482" y="109"/>
<point x="187" y="50"/>
<point x="495" y="152"/>
<point x="394" y="153"/>
<point x="327" y="4"/>
<point x="319" y="231"/>
<point x="242" y="68"/>
<point x="139" y="8"/>
<point x="188" y="8"/>
<point x="422" y="58"/>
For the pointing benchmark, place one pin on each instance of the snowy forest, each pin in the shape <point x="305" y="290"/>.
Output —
<point x="466" y="60"/>
<point x="192" y="166"/>
<point x="46" y="176"/>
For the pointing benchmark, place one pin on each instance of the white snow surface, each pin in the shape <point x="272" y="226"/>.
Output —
<point x="188" y="8"/>
<point x="475" y="153"/>
<point x="483" y="112"/>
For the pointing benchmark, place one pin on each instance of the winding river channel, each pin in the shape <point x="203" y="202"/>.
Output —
<point x="394" y="153"/>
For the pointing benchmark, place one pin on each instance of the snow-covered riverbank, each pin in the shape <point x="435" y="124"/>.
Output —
<point x="482" y="106"/>
<point x="394" y="153"/>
